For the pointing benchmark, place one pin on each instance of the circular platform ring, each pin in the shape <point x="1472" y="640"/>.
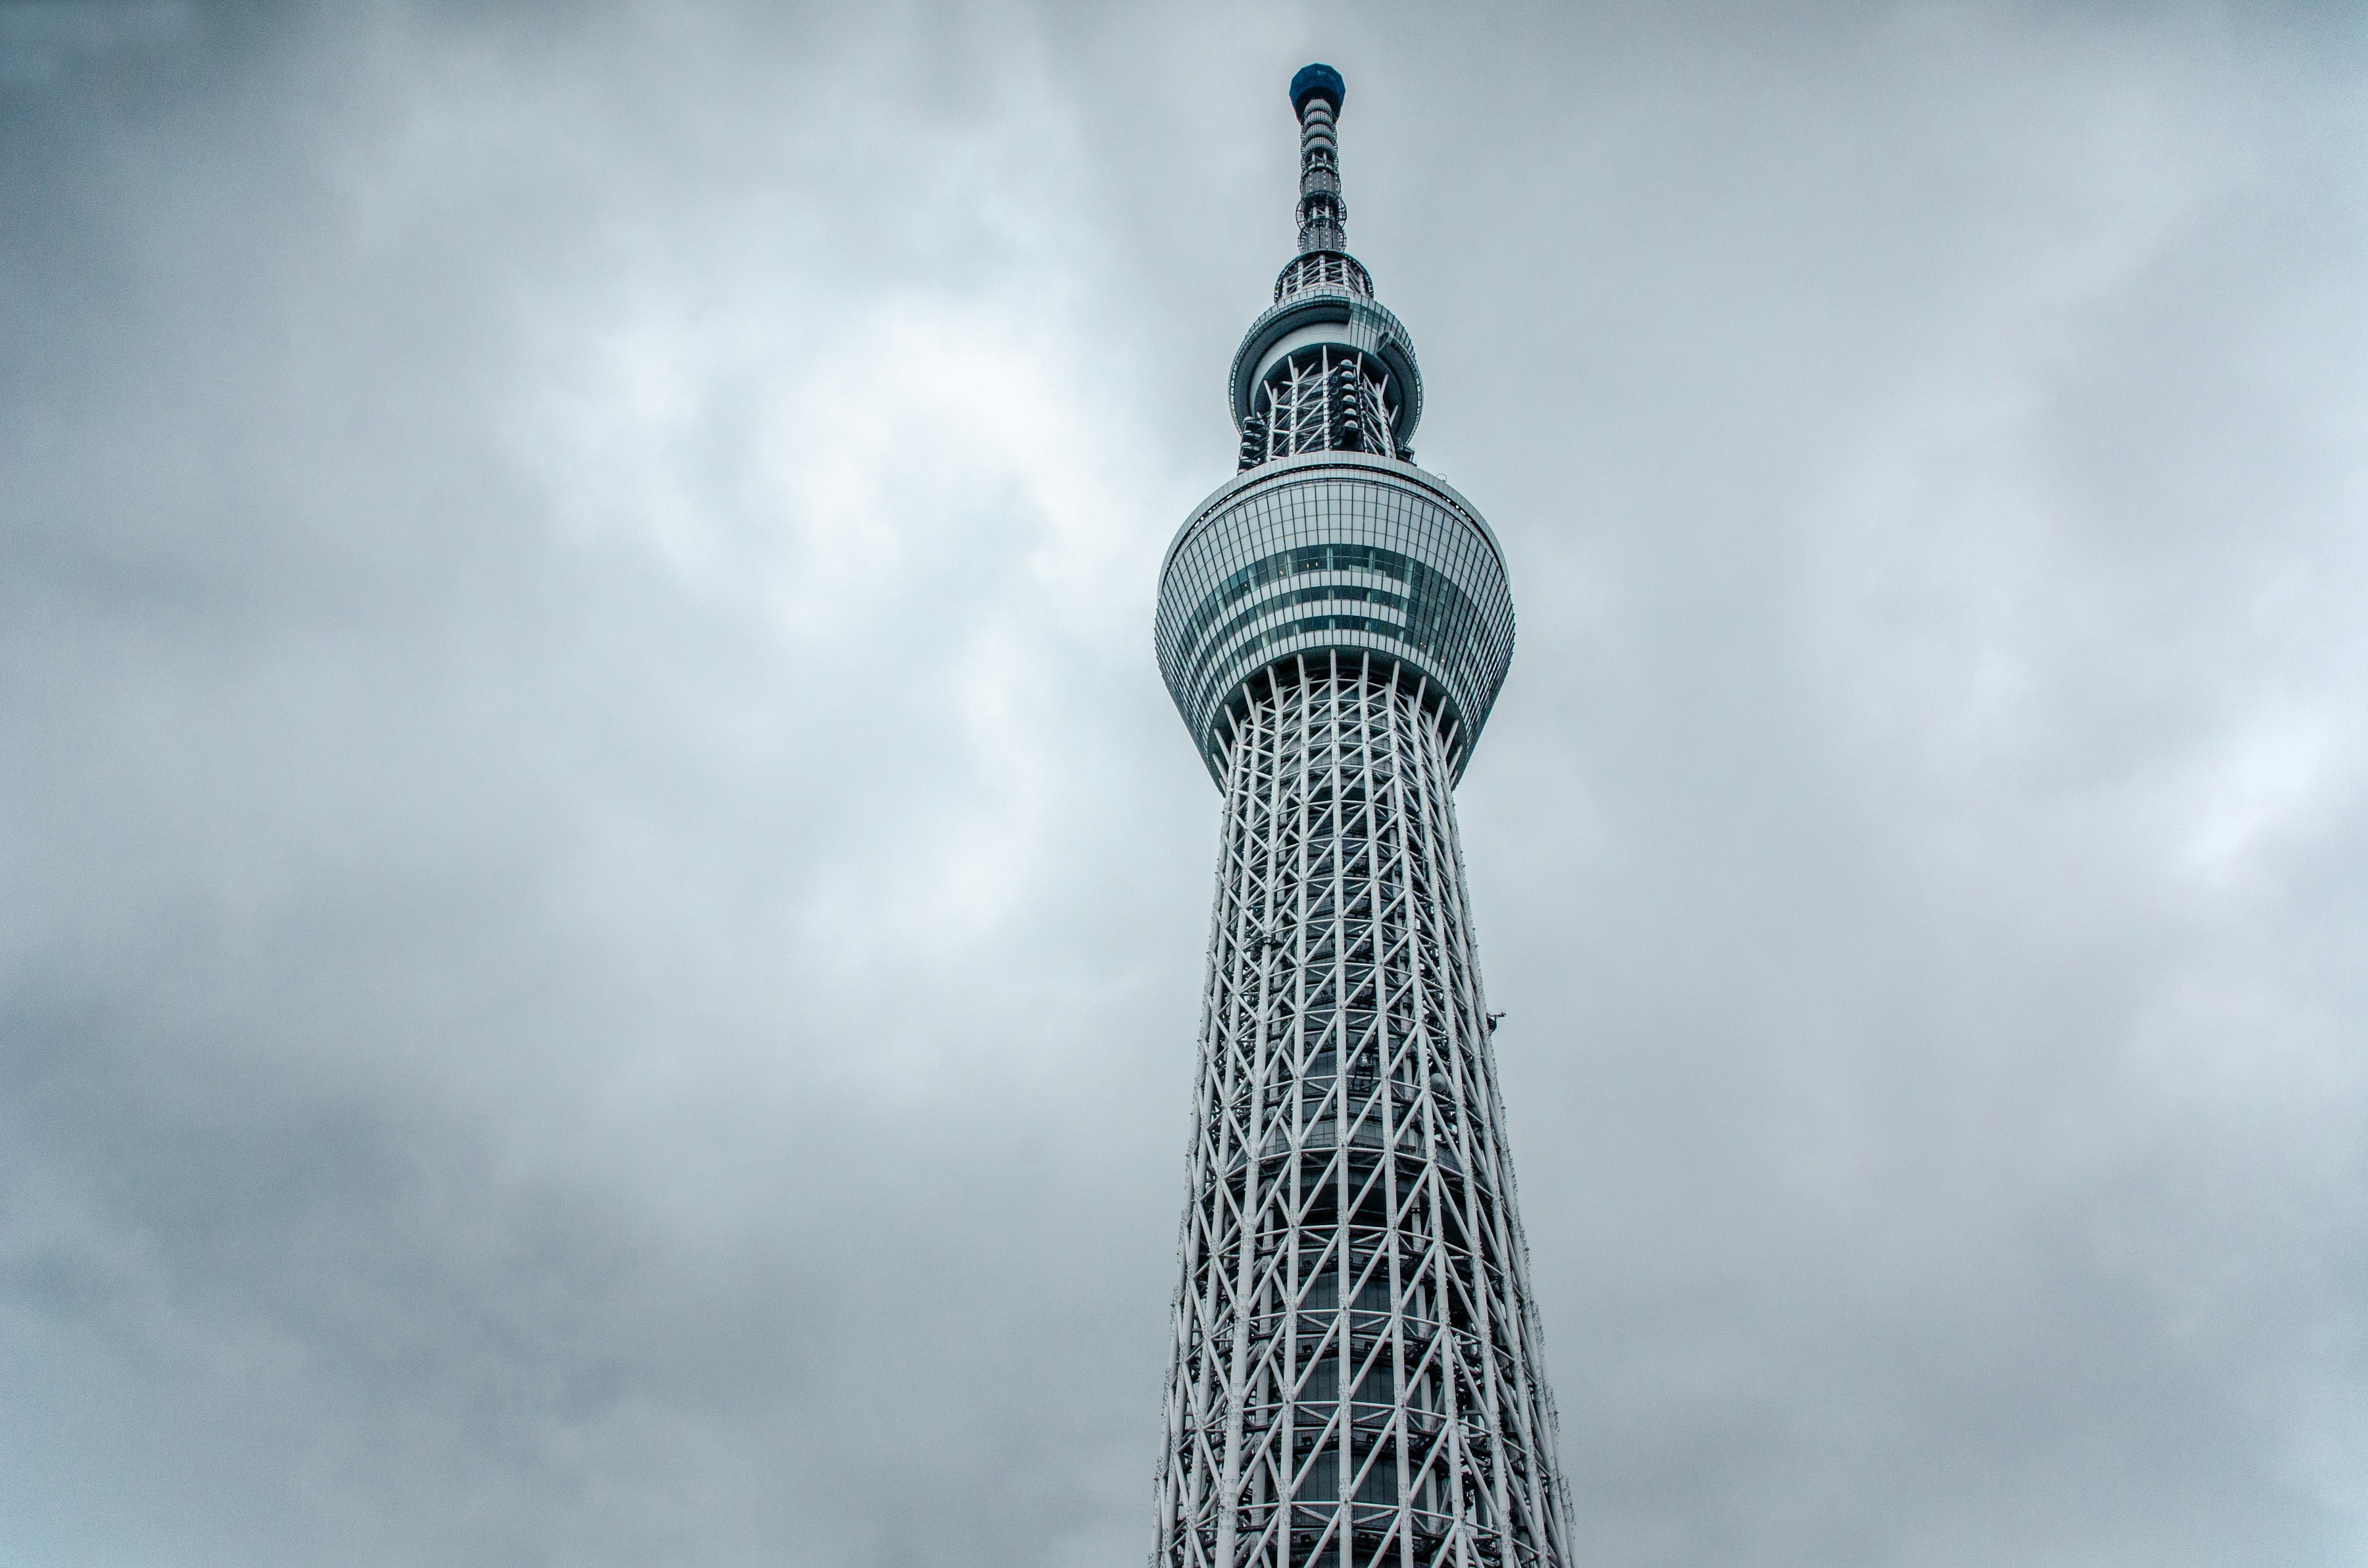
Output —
<point x="1335" y="552"/>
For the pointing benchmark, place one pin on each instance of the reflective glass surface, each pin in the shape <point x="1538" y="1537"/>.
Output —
<point x="1334" y="550"/>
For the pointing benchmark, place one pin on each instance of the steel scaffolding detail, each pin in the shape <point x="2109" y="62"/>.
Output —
<point x="1357" y="1378"/>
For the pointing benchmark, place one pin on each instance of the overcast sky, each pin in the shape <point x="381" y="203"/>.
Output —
<point x="601" y="907"/>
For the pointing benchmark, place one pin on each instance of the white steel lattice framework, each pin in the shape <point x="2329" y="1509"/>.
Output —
<point x="1357" y="1378"/>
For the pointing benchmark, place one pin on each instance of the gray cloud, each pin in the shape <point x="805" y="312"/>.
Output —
<point x="604" y="908"/>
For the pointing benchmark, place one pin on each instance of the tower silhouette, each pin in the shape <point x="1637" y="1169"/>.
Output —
<point x="1356" y="1377"/>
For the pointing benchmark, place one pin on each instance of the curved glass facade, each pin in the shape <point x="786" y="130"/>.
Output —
<point x="1334" y="550"/>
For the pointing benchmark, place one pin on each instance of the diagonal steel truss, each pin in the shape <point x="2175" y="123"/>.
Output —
<point x="1323" y="399"/>
<point x="1356" y="1378"/>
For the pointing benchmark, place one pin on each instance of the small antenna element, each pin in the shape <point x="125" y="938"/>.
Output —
<point x="1315" y="94"/>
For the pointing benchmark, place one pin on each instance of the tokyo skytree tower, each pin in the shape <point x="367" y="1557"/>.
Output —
<point x="1356" y="1378"/>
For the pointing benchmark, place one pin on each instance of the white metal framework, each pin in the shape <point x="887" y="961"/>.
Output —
<point x="1356" y="1375"/>
<point x="1357" y="1380"/>
<point x="1323" y="399"/>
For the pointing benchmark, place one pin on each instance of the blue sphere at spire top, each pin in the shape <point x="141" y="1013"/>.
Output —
<point x="1316" y="82"/>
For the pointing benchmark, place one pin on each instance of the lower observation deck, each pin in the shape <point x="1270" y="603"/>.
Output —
<point x="1335" y="551"/>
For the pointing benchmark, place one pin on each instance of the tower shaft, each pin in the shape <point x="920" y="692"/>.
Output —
<point x="1357" y="1379"/>
<point x="1354" y="1379"/>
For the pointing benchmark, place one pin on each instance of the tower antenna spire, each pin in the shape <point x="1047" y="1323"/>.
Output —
<point x="1316" y="95"/>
